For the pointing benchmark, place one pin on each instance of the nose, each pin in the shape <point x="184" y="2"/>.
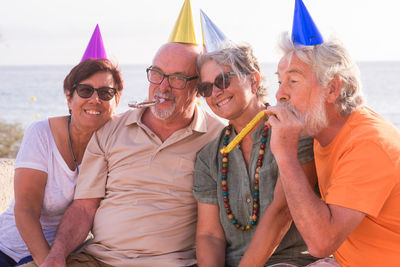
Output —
<point x="94" y="98"/>
<point x="164" y="86"/>
<point x="216" y="91"/>
<point x="282" y="94"/>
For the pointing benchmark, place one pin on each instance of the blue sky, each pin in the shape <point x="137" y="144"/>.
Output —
<point x="57" y="31"/>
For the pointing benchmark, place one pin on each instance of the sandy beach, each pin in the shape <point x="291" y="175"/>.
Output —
<point x="6" y="183"/>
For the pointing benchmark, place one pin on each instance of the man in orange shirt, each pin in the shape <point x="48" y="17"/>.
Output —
<point x="357" y="155"/>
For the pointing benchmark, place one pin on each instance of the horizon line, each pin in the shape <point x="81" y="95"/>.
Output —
<point x="141" y="63"/>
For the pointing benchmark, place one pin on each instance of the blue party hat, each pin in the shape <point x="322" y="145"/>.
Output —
<point x="95" y="48"/>
<point x="304" y="30"/>
<point x="212" y="35"/>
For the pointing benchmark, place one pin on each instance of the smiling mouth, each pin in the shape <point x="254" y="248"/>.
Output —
<point x="224" y="102"/>
<point x="92" y="112"/>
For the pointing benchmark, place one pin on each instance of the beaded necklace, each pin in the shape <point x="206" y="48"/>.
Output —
<point x="256" y="193"/>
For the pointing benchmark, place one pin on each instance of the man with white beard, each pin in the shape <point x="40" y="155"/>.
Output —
<point x="134" y="190"/>
<point x="357" y="156"/>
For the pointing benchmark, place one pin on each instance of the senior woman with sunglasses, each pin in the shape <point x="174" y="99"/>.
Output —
<point x="243" y="218"/>
<point x="47" y="164"/>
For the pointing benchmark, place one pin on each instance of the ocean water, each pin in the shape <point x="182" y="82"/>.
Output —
<point x="30" y="93"/>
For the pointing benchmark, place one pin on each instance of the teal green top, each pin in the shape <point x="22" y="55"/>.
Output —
<point x="207" y="188"/>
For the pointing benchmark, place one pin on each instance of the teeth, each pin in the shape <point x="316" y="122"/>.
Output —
<point x="93" y="112"/>
<point x="223" y="102"/>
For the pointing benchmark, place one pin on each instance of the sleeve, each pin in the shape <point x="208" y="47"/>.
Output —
<point x="305" y="151"/>
<point x="362" y="179"/>
<point x="34" y="150"/>
<point x="204" y="186"/>
<point x="93" y="173"/>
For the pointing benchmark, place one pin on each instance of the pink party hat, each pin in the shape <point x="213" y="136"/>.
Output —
<point x="95" y="48"/>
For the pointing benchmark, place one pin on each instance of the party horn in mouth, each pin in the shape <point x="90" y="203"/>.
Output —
<point x="244" y="132"/>
<point x="144" y="104"/>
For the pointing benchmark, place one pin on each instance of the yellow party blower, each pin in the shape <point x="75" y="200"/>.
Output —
<point x="244" y="132"/>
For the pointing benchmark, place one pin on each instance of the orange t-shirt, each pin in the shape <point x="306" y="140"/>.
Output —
<point x="360" y="170"/>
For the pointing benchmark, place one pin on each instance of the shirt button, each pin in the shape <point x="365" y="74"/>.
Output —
<point x="248" y="200"/>
<point x="152" y="135"/>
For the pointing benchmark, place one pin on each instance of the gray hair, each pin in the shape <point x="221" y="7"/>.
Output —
<point x="241" y="59"/>
<point x="329" y="60"/>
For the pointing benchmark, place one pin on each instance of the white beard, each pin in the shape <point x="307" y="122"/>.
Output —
<point x="314" y="119"/>
<point x="163" y="114"/>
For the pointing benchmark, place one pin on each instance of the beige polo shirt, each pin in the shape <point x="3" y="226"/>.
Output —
<point x="148" y="214"/>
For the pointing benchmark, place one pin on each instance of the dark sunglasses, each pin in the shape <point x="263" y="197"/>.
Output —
<point x="222" y="82"/>
<point x="105" y="93"/>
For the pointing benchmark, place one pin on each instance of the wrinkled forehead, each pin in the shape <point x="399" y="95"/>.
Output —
<point x="292" y="63"/>
<point x="177" y="58"/>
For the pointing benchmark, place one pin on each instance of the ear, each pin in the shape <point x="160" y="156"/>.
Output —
<point x="334" y="89"/>
<point x="255" y="81"/>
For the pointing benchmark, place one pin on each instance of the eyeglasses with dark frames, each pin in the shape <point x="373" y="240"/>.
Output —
<point x="222" y="81"/>
<point x="176" y="81"/>
<point x="105" y="93"/>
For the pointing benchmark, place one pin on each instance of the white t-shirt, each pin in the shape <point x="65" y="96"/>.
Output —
<point x="39" y="151"/>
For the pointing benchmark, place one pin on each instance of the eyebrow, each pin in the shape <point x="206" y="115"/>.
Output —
<point x="295" y="71"/>
<point x="292" y="71"/>
<point x="175" y="73"/>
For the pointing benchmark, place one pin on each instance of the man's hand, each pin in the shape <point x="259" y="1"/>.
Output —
<point x="286" y="131"/>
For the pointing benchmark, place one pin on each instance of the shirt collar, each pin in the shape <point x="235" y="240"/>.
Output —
<point x="134" y="116"/>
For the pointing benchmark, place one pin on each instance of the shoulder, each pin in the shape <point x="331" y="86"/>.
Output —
<point x="38" y="125"/>
<point x="117" y="122"/>
<point x="365" y="122"/>
<point x="210" y="122"/>
<point x="213" y="120"/>
<point x="366" y="139"/>
<point x="38" y="129"/>
<point x="211" y="150"/>
<point x="366" y="126"/>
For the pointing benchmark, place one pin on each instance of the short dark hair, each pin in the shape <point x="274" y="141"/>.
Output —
<point x="87" y="68"/>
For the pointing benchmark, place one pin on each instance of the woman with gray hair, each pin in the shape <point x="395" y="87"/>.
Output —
<point x="243" y="218"/>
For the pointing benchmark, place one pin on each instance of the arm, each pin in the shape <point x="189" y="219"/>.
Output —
<point x="73" y="230"/>
<point x="210" y="237"/>
<point x="274" y="224"/>
<point x="29" y="186"/>
<point x="323" y="226"/>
